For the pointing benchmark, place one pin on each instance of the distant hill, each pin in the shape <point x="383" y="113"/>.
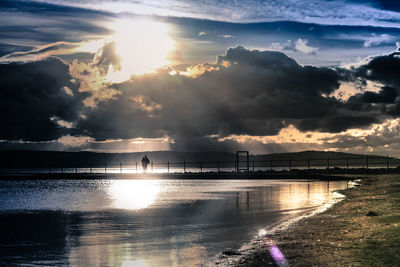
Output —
<point x="311" y="154"/>
<point x="45" y="159"/>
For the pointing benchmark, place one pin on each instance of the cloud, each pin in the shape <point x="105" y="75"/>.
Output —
<point x="300" y="45"/>
<point x="226" y="36"/>
<point x="93" y="76"/>
<point x="40" y="52"/>
<point x="58" y="48"/>
<point x="34" y="103"/>
<point x="6" y="49"/>
<point x="27" y="25"/>
<point x="37" y="24"/>
<point x="245" y="94"/>
<point x="378" y="39"/>
<point x="252" y="94"/>
<point x="384" y="69"/>
<point x="367" y="40"/>
<point x="337" y="12"/>
<point x="68" y="141"/>
<point x="381" y="138"/>
<point x="106" y="57"/>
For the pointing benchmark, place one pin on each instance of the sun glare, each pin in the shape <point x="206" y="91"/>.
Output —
<point x="142" y="46"/>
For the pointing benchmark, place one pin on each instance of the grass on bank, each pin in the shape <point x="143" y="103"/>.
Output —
<point x="362" y="230"/>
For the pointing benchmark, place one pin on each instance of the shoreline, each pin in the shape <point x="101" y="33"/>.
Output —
<point x="246" y="252"/>
<point x="361" y="230"/>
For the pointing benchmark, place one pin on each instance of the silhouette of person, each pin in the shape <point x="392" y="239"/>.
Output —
<point x="145" y="162"/>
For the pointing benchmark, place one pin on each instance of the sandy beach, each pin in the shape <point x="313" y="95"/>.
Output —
<point x="362" y="230"/>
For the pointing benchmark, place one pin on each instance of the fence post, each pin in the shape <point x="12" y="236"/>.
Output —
<point x="120" y="167"/>
<point x="347" y="162"/>
<point x="253" y="165"/>
<point x="105" y="167"/>
<point x="184" y="166"/>
<point x="201" y="166"/>
<point x="327" y="164"/>
<point x="218" y="165"/>
<point x="366" y="162"/>
<point x="168" y="166"/>
<point x="290" y="165"/>
<point x="271" y="166"/>
<point x="152" y="166"/>
<point x="387" y="161"/>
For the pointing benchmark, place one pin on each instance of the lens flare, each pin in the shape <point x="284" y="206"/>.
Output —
<point x="274" y="251"/>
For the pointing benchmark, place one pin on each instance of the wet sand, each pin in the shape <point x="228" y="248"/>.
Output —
<point x="362" y="230"/>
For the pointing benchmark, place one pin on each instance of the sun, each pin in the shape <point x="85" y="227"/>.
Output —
<point x="142" y="46"/>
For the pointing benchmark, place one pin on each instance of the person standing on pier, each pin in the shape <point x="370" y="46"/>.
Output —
<point x="145" y="162"/>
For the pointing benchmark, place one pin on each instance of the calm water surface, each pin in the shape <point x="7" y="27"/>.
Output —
<point x="144" y="222"/>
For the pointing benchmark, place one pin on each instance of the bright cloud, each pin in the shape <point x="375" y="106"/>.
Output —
<point x="378" y="39"/>
<point x="58" y="48"/>
<point x="300" y="45"/>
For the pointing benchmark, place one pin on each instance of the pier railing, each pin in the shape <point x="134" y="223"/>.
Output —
<point x="268" y="165"/>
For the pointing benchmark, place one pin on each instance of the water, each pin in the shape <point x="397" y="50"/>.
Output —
<point x="144" y="222"/>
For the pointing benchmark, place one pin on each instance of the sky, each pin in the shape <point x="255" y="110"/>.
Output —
<point x="189" y="75"/>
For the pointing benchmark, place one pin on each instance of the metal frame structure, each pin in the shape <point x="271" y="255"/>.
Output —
<point x="241" y="154"/>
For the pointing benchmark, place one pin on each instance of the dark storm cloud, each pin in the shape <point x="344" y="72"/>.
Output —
<point x="35" y="97"/>
<point x="203" y="144"/>
<point x="386" y="95"/>
<point x="254" y="95"/>
<point x="246" y="92"/>
<point x="384" y="69"/>
<point x="336" y="123"/>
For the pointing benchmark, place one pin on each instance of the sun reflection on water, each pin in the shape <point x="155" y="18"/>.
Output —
<point x="133" y="194"/>
<point x="134" y="263"/>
